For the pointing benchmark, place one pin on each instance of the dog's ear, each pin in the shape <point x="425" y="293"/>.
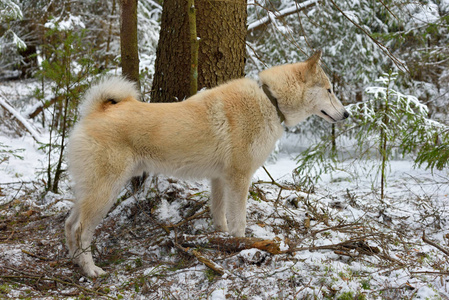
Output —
<point x="312" y="62"/>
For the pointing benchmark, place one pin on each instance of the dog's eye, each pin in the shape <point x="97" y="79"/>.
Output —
<point x="329" y="91"/>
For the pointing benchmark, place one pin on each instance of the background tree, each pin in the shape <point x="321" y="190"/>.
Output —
<point x="128" y="40"/>
<point x="171" y="79"/>
<point x="130" y="55"/>
<point x="221" y="28"/>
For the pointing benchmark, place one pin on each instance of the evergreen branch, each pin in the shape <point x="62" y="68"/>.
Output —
<point x="402" y="66"/>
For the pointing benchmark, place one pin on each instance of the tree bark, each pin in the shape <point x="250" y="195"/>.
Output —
<point x="231" y="244"/>
<point x="128" y="40"/>
<point x="221" y="28"/>
<point x="193" y="48"/>
<point x="171" y="79"/>
<point x="130" y="57"/>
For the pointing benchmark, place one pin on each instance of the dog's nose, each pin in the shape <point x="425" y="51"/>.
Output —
<point x="346" y="115"/>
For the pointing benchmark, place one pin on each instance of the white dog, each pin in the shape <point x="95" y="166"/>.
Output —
<point x="225" y="134"/>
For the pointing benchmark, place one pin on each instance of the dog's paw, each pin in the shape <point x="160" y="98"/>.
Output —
<point x="94" y="271"/>
<point x="223" y="227"/>
<point x="237" y="232"/>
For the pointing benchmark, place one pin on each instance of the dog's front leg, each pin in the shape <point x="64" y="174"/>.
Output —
<point x="236" y="197"/>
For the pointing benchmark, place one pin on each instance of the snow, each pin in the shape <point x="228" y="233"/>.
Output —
<point x="273" y="15"/>
<point x="22" y="120"/>
<point x="218" y="295"/>
<point x="67" y="24"/>
<point x="169" y="211"/>
<point x="423" y="14"/>
<point x="16" y="169"/>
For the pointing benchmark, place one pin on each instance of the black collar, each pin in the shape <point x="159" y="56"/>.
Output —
<point x="274" y="101"/>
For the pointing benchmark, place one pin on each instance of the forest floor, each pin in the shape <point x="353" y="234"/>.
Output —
<point x="339" y="242"/>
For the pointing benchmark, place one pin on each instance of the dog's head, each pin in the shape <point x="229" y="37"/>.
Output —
<point x="303" y="89"/>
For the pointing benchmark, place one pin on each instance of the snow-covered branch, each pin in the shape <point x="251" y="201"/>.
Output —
<point x="280" y="14"/>
<point x="36" y="136"/>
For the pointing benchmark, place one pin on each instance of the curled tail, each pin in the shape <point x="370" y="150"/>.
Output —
<point x="109" y="89"/>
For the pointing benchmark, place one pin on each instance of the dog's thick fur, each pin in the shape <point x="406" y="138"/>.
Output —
<point x="224" y="134"/>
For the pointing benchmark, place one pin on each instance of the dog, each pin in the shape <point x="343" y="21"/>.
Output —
<point x="225" y="133"/>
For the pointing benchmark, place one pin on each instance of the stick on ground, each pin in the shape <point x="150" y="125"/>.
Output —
<point x="427" y="241"/>
<point x="207" y="262"/>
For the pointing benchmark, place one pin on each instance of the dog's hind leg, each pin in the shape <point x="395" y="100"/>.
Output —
<point x="218" y="204"/>
<point x="236" y="191"/>
<point x="87" y="213"/>
<point x="69" y="236"/>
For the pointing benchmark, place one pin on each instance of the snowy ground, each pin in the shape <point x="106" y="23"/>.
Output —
<point x="339" y="242"/>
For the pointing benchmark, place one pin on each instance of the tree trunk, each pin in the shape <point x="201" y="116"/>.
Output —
<point x="193" y="48"/>
<point x="128" y="40"/>
<point x="130" y="57"/>
<point x="172" y="66"/>
<point x="221" y="28"/>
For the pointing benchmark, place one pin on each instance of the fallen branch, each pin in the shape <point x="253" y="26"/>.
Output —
<point x="187" y="219"/>
<point x="207" y="262"/>
<point x="359" y="245"/>
<point x="430" y="273"/>
<point x="39" y="277"/>
<point x="426" y="240"/>
<point x="18" y="117"/>
<point x="40" y="108"/>
<point x="54" y="279"/>
<point x="231" y="244"/>
<point x="34" y="255"/>
<point x="356" y="224"/>
<point x="406" y="286"/>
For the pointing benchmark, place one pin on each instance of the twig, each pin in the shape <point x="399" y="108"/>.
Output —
<point x="274" y="181"/>
<point x="10" y="236"/>
<point x="304" y="287"/>
<point x="56" y="280"/>
<point x="187" y="219"/>
<point x="430" y="273"/>
<point x="15" y="182"/>
<point x="402" y="286"/>
<point x="314" y="232"/>
<point x="358" y="244"/>
<point x="426" y="240"/>
<point x="14" y="198"/>
<point x="34" y="255"/>
<point x="207" y="262"/>
<point x="26" y="275"/>
<point x="402" y="66"/>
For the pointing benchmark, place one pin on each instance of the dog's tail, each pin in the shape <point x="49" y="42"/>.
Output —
<point x="108" y="89"/>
